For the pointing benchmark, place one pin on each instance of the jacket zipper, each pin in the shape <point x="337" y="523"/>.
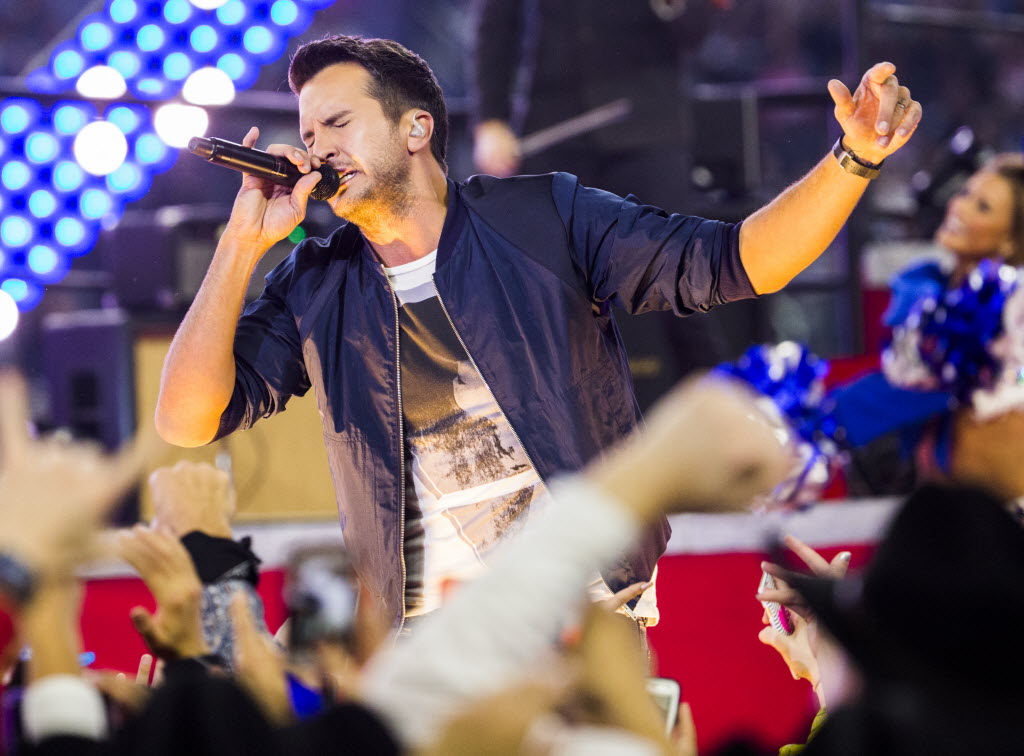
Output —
<point x="472" y="361"/>
<point x="401" y="454"/>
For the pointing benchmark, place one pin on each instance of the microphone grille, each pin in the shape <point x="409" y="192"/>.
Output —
<point x="328" y="184"/>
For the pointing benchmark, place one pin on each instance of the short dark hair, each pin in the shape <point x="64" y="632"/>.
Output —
<point x="399" y="79"/>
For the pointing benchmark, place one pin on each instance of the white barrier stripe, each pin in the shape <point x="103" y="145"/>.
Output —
<point x="847" y="522"/>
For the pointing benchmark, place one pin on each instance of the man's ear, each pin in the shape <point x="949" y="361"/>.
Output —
<point x="421" y="129"/>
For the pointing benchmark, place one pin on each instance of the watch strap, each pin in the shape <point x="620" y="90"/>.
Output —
<point x="851" y="163"/>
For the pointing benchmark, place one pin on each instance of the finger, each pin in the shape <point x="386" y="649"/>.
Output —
<point x="145" y="626"/>
<point x="250" y="137"/>
<point x="137" y="553"/>
<point x="301" y="190"/>
<point x="145" y="667"/>
<point x="626" y="594"/>
<point x="842" y="98"/>
<point x="14" y="417"/>
<point x="878" y="73"/>
<point x="888" y="92"/>
<point x="296" y="156"/>
<point x="815" y="561"/>
<point x="910" y="120"/>
<point x="840" y="564"/>
<point x="126" y="467"/>
<point x="242" y="623"/>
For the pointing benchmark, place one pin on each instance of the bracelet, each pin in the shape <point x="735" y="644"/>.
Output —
<point x="850" y="163"/>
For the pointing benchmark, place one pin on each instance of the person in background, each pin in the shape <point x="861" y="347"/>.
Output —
<point x="537" y="63"/>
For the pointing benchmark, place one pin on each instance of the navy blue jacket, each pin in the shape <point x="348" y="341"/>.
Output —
<point x="527" y="270"/>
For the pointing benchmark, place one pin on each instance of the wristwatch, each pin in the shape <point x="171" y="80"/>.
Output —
<point x="850" y="163"/>
<point x="16" y="580"/>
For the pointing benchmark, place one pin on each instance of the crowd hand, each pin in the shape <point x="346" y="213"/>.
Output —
<point x="496" y="148"/>
<point x="621" y="598"/>
<point x="879" y="117"/>
<point x="259" y="664"/>
<point x="192" y="496"/>
<point x="684" y="734"/>
<point x="175" y="630"/>
<point x="795" y="649"/>
<point x="265" y="212"/>
<point x="613" y="678"/>
<point x="50" y="625"/>
<point x="707" y="446"/>
<point x="132" y="696"/>
<point x="818" y="565"/>
<point x="54" y="493"/>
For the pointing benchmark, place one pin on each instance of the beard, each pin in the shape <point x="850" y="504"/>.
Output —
<point x="386" y="197"/>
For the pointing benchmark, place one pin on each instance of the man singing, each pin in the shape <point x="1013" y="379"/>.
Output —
<point x="459" y="336"/>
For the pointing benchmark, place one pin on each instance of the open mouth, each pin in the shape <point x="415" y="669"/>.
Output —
<point x="346" y="177"/>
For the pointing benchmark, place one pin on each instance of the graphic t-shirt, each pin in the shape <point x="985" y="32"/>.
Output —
<point x="469" y="483"/>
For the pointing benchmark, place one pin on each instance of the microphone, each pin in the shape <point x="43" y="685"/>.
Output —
<point x="274" y="168"/>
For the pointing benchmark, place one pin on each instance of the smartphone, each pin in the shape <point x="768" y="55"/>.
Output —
<point x="665" y="692"/>
<point x="778" y="615"/>
<point x="322" y="595"/>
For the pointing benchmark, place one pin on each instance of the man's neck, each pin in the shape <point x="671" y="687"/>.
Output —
<point x="417" y="232"/>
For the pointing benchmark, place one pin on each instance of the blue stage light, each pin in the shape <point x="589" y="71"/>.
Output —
<point x="42" y="203"/>
<point x="233" y="65"/>
<point x="96" y="36"/>
<point x="284" y="12"/>
<point x="42" y="260"/>
<point x="124" y="117"/>
<point x="258" y="40"/>
<point x="122" y="11"/>
<point x="125" y="179"/>
<point x="150" y="37"/>
<point x="16" y="288"/>
<point x="203" y="38"/>
<point x="41" y="147"/>
<point x="69" y="232"/>
<point x="177" y="11"/>
<point x="149" y="149"/>
<point x="69" y="119"/>
<point x="95" y="203"/>
<point x="15" y="118"/>
<point x="68" y="176"/>
<point x="177" y="66"/>
<point x="151" y="86"/>
<point x="67" y="64"/>
<point x="125" y="63"/>
<point x="15" y="231"/>
<point x="231" y="13"/>
<point x="15" y="175"/>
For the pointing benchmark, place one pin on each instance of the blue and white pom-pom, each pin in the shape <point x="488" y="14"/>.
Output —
<point x="947" y="342"/>
<point x="790" y="380"/>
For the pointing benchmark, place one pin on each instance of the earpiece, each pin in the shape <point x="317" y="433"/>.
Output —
<point x="417" y="130"/>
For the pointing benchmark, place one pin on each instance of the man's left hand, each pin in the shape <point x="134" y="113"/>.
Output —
<point x="879" y="117"/>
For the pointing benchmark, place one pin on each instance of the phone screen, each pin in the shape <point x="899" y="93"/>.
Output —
<point x="665" y="692"/>
<point x="322" y="594"/>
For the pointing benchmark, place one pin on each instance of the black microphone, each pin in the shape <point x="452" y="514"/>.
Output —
<point x="259" y="163"/>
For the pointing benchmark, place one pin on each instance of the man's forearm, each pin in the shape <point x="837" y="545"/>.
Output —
<point x="199" y="371"/>
<point x="788" y="234"/>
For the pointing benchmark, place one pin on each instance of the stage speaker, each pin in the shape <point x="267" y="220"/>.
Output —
<point x="88" y="366"/>
<point x="726" y="142"/>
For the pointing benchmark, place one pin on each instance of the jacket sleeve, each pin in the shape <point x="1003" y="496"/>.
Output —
<point x="496" y="52"/>
<point x="269" y="368"/>
<point x="641" y="258"/>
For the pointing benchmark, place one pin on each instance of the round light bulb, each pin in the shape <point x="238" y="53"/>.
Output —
<point x="207" y="4"/>
<point x="8" y="315"/>
<point x="176" y="123"/>
<point x="208" y="86"/>
<point x="101" y="83"/>
<point x="100" y="148"/>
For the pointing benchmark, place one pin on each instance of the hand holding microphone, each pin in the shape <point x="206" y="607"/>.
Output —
<point x="262" y="164"/>
<point x="275" y="190"/>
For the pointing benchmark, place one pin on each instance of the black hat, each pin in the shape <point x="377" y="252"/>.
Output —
<point x="942" y="602"/>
